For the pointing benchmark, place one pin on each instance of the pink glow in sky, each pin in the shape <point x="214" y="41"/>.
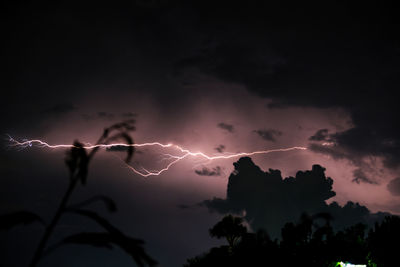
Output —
<point x="193" y="129"/>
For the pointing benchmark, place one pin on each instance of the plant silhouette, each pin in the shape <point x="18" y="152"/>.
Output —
<point x="77" y="161"/>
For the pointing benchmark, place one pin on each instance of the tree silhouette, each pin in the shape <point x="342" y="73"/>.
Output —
<point x="383" y="242"/>
<point x="304" y="243"/>
<point x="270" y="200"/>
<point x="230" y="228"/>
<point x="77" y="161"/>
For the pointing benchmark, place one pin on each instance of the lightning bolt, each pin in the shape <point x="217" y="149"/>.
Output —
<point x="183" y="152"/>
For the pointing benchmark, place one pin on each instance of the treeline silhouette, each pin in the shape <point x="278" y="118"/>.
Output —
<point x="293" y="225"/>
<point x="269" y="201"/>
<point x="305" y="243"/>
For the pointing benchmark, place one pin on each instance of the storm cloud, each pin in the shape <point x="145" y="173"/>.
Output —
<point x="349" y="66"/>
<point x="365" y="157"/>
<point x="187" y="66"/>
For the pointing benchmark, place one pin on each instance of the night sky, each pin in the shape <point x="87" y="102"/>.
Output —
<point x="216" y="78"/>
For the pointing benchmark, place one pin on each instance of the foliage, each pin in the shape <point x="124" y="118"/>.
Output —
<point x="77" y="161"/>
<point x="10" y="220"/>
<point x="382" y="241"/>
<point x="306" y="243"/>
<point x="230" y="227"/>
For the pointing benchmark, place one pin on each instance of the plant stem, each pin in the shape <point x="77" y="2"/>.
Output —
<point x="61" y="209"/>
<point x="50" y="228"/>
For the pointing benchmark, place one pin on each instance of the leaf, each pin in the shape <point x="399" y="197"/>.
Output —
<point x="77" y="161"/>
<point x="105" y="240"/>
<point x="109" y="203"/>
<point x="130" y="149"/>
<point x="122" y="126"/>
<point x="10" y="220"/>
<point x="132" y="246"/>
<point x="101" y="240"/>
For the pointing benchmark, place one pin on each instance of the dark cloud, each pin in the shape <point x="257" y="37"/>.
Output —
<point x="268" y="135"/>
<point x="329" y="150"/>
<point x="361" y="177"/>
<point x="105" y="115"/>
<point x="99" y="115"/>
<point x="269" y="201"/>
<point x="320" y="135"/>
<point x="60" y="109"/>
<point x="129" y="115"/>
<point x="394" y="186"/>
<point x="372" y="139"/>
<point x="220" y="148"/>
<point x="226" y="126"/>
<point x="325" y="55"/>
<point x="337" y="145"/>
<point x="216" y="171"/>
<point x="185" y="206"/>
<point x="353" y="64"/>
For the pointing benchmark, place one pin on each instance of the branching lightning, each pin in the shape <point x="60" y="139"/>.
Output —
<point x="182" y="153"/>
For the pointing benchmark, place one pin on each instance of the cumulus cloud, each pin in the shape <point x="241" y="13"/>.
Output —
<point x="269" y="201"/>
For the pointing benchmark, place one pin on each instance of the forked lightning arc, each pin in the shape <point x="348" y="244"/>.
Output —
<point x="182" y="153"/>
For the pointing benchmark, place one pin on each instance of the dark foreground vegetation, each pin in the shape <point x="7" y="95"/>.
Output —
<point x="77" y="161"/>
<point x="305" y="243"/>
